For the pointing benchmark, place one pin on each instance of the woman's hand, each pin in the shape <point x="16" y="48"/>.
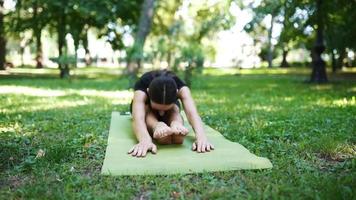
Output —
<point x="140" y="149"/>
<point x="202" y="145"/>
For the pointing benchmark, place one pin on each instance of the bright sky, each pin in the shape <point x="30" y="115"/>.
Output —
<point x="9" y="4"/>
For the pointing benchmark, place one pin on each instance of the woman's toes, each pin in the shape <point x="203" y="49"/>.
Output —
<point x="168" y="131"/>
<point x="157" y="134"/>
<point x="175" y="131"/>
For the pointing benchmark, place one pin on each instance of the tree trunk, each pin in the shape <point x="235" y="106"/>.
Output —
<point x="2" y="38"/>
<point x="76" y="46"/>
<point x="61" y="31"/>
<point x="37" y="32"/>
<point x="38" y="49"/>
<point x="340" y="61"/>
<point x="284" y="63"/>
<point x="333" y="61"/>
<point x="86" y="48"/>
<point x="144" y="27"/>
<point x="319" y="72"/>
<point x="76" y="56"/>
<point x="22" y="51"/>
<point x="270" y="48"/>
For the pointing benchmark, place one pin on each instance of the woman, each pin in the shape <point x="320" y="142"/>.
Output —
<point x="156" y="113"/>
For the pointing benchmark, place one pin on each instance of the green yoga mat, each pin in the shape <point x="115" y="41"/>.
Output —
<point x="174" y="159"/>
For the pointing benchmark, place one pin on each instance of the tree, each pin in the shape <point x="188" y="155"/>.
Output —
<point x="77" y="16"/>
<point x="38" y="26"/>
<point x="58" y="15"/>
<point x="319" y="72"/>
<point x="166" y="30"/>
<point x="292" y="35"/>
<point x="266" y="8"/>
<point x="134" y="58"/>
<point x="122" y="19"/>
<point x="2" y="37"/>
<point x="29" y="15"/>
<point x="174" y="41"/>
<point x="339" y="30"/>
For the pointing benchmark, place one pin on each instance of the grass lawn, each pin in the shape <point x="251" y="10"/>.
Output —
<point x="53" y="136"/>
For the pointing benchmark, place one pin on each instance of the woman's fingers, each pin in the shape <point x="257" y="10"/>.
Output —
<point x="140" y="150"/>
<point x="208" y="147"/>
<point x="135" y="151"/>
<point x="144" y="152"/>
<point x="153" y="148"/>
<point x="202" y="147"/>
<point x="131" y="150"/>
<point x="194" y="146"/>
<point x="199" y="146"/>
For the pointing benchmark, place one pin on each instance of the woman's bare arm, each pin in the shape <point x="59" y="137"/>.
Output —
<point x="191" y="111"/>
<point x="138" y="116"/>
<point x="140" y="127"/>
<point x="201" y="144"/>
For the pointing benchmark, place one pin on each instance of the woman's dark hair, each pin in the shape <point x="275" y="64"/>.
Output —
<point x="163" y="89"/>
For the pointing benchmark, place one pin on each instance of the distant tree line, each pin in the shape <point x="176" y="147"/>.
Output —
<point x="171" y="41"/>
<point x="300" y="21"/>
<point x="322" y="26"/>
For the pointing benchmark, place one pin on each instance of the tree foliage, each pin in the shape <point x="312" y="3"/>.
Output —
<point x="74" y="17"/>
<point x="299" y="24"/>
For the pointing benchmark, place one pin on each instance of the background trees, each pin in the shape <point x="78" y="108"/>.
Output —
<point x="178" y="34"/>
<point x="2" y="37"/>
<point x="300" y="21"/>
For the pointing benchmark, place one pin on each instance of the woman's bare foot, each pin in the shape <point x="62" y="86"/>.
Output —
<point x="178" y="128"/>
<point x="161" y="130"/>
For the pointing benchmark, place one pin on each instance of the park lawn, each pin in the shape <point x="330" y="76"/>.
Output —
<point x="53" y="136"/>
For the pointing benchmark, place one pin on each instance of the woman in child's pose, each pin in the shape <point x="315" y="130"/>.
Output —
<point x="156" y="113"/>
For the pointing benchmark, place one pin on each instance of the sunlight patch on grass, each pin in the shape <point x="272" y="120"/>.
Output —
<point x="288" y="99"/>
<point x="45" y="104"/>
<point x="7" y="128"/>
<point x="347" y="150"/>
<point x="91" y="72"/>
<point x="31" y="91"/>
<point x="322" y="87"/>
<point x="264" y="71"/>
<point x="352" y="89"/>
<point x="256" y="71"/>
<point x="33" y="71"/>
<point x="345" y="102"/>
<point x="267" y="108"/>
<point x="119" y="97"/>
<point x="219" y="72"/>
